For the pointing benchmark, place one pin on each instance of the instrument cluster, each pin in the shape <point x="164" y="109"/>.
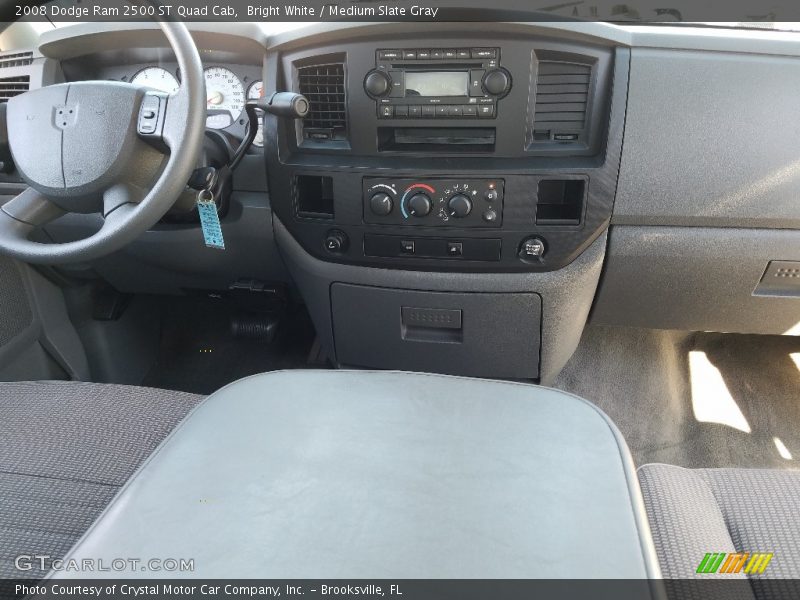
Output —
<point x="226" y="93"/>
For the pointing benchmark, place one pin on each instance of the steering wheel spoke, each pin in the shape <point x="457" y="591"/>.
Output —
<point x="32" y="209"/>
<point x="118" y="217"/>
<point x="20" y="216"/>
<point x="119" y="195"/>
<point x="174" y="117"/>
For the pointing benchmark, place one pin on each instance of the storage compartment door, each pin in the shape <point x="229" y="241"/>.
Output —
<point x="483" y="335"/>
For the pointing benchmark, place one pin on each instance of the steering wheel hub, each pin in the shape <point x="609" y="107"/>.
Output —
<point x="73" y="141"/>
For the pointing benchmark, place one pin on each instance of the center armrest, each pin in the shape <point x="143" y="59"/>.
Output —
<point x="358" y="474"/>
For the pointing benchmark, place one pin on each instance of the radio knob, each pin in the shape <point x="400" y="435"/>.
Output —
<point x="497" y="82"/>
<point x="419" y="205"/>
<point x="377" y="83"/>
<point x="460" y="206"/>
<point x="381" y="204"/>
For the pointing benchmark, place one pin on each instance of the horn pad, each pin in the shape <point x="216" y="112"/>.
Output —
<point x="88" y="130"/>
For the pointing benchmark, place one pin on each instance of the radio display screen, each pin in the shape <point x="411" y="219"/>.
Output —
<point x="437" y="83"/>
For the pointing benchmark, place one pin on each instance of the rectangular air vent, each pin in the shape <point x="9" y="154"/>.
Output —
<point x="13" y="86"/>
<point x="562" y="97"/>
<point x="324" y="86"/>
<point x="16" y="59"/>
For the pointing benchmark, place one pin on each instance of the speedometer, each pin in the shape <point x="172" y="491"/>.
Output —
<point x="224" y="97"/>
<point x="156" y="78"/>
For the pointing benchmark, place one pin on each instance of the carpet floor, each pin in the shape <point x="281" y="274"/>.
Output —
<point x="694" y="399"/>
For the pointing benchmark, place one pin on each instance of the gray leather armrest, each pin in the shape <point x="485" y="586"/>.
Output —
<point x="343" y="474"/>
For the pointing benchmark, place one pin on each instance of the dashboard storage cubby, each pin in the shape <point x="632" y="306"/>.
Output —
<point x="437" y="332"/>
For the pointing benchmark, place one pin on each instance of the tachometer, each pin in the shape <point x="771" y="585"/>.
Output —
<point x="255" y="91"/>
<point x="224" y="97"/>
<point x="156" y="78"/>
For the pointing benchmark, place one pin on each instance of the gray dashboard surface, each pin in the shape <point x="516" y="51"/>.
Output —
<point x="353" y="474"/>
<point x="711" y="139"/>
<point x="697" y="279"/>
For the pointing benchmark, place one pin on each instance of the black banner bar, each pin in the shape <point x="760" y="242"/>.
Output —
<point x="399" y="589"/>
<point x="751" y="12"/>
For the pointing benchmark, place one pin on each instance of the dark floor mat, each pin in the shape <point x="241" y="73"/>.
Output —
<point x="198" y="353"/>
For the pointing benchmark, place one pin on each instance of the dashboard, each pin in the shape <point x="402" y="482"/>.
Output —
<point x="457" y="180"/>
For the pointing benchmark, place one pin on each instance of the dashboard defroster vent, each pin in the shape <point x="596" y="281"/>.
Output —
<point x="16" y="59"/>
<point x="562" y="97"/>
<point x="13" y="86"/>
<point x="324" y="86"/>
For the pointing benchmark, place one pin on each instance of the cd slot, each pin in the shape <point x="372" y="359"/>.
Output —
<point x="436" y="139"/>
<point x="436" y="66"/>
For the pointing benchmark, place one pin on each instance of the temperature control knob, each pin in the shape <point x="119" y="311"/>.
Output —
<point x="419" y="205"/>
<point x="381" y="204"/>
<point x="460" y="206"/>
<point x="377" y="83"/>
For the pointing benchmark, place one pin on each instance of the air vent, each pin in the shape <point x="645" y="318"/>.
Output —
<point x="13" y="86"/>
<point x="17" y="59"/>
<point x="562" y="95"/>
<point x="324" y="87"/>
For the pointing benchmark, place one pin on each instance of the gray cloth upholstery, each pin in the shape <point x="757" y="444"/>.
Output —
<point x="66" y="449"/>
<point x="15" y="310"/>
<point x="337" y="474"/>
<point x="695" y="511"/>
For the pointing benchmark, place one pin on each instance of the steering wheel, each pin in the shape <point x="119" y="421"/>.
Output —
<point x="99" y="146"/>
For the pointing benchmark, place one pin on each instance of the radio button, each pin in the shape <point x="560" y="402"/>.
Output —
<point x="470" y="110"/>
<point x="409" y="55"/>
<point x="486" y="111"/>
<point x="397" y="81"/>
<point x="423" y="54"/>
<point x="414" y="111"/>
<point x="455" y="111"/>
<point x="390" y="54"/>
<point x="476" y="82"/>
<point x="442" y="110"/>
<point x="463" y="53"/>
<point x="428" y="110"/>
<point x="401" y="110"/>
<point x="450" y="53"/>
<point x="437" y="54"/>
<point x="386" y="111"/>
<point x="484" y="53"/>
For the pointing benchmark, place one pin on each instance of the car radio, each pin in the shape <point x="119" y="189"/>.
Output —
<point x="437" y="83"/>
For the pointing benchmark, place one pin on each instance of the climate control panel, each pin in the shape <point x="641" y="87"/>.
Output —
<point x="434" y="202"/>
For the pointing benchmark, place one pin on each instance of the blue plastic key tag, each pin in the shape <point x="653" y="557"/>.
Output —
<point x="209" y="220"/>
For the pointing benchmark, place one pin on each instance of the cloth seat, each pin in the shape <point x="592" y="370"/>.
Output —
<point x="65" y="449"/>
<point x="693" y="512"/>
